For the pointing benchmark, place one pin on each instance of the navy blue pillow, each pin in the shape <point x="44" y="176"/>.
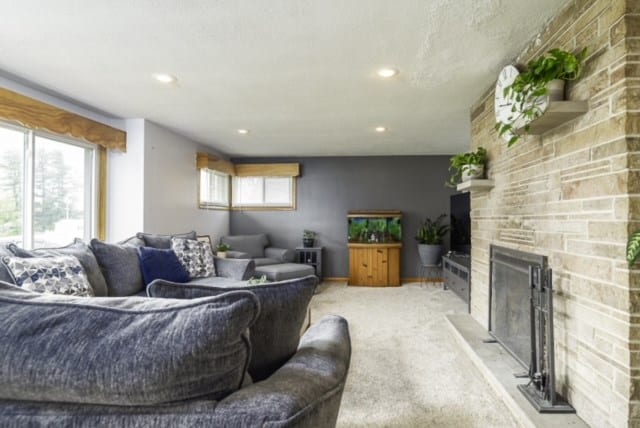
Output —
<point x="164" y="264"/>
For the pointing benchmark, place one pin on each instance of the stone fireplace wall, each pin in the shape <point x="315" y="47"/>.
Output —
<point x="573" y="194"/>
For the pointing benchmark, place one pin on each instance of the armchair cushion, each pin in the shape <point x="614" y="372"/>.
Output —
<point x="282" y="255"/>
<point x="238" y="269"/>
<point x="276" y="333"/>
<point x="122" y="351"/>
<point x="237" y="255"/>
<point x="250" y="244"/>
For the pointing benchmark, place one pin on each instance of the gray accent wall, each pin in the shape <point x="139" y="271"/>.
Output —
<point x="329" y="187"/>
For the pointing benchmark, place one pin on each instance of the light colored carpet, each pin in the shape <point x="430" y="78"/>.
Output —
<point x="406" y="368"/>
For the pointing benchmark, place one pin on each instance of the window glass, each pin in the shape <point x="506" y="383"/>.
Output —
<point x="12" y="145"/>
<point x="277" y="190"/>
<point x="258" y="192"/>
<point x="214" y="188"/>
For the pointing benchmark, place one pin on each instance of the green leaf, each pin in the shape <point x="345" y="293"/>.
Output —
<point x="633" y="248"/>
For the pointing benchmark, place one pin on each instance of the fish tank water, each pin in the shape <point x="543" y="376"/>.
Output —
<point x="375" y="227"/>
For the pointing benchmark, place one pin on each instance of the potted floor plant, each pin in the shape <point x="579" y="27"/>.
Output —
<point x="544" y="77"/>
<point x="221" y="250"/>
<point x="465" y="166"/>
<point x="430" y="236"/>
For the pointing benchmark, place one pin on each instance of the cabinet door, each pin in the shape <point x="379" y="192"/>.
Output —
<point x="380" y="266"/>
<point x="394" y="267"/>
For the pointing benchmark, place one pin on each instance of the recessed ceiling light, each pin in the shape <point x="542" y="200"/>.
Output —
<point x="387" y="72"/>
<point x="380" y="129"/>
<point x="243" y="131"/>
<point x="165" y="78"/>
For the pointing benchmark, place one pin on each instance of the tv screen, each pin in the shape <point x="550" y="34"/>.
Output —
<point x="460" y="220"/>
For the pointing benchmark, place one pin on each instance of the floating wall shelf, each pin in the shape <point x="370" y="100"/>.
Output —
<point x="558" y="113"/>
<point x="470" y="185"/>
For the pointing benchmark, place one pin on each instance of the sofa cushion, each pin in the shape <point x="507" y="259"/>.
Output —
<point x="164" y="264"/>
<point x="263" y="261"/>
<point x="250" y="244"/>
<point x="163" y="241"/>
<point x="77" y="249"/>
<point x="54" y="275"/>
<point x="276" y="332"/>
<point x="195" y="256"/>
<point x="122" y="351"/>
<point x="120" y="266"/>
<point x="5" y="275"/>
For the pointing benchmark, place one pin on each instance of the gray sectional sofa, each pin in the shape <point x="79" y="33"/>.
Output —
<point x="274" y="263"/>
<point x="212" y="352"/>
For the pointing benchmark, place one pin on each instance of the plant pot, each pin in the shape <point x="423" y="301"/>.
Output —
<point x="307" y="242"/>
<point x="221" y="254"/>
<point x="471" y="171"/>
<point x="556" y="90"/>
<point x="430" y="254"/>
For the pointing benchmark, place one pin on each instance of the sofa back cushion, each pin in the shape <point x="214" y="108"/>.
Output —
<point x="276" y="333"/>
<point x="163" y="241"/>
<point x="77" y="249"/>
<point x="120" y="267"/>
<point x="250" y="244"/>
<point x="122" y="351"/>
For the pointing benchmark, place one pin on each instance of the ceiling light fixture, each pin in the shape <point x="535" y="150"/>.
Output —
<point x="380" y="129"/>
<point x="165" y="78"/>
<point x="243" y="131"/>
<point x="387" y="72"/>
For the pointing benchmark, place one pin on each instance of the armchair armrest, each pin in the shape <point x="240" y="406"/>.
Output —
<point x="239" y="269"/>
<point x="281" y="254"/>
<point x="238" y="255"/>
<point x="306" y="391"/>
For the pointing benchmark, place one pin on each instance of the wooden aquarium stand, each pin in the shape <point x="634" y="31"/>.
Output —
<point x="375" y="264"/>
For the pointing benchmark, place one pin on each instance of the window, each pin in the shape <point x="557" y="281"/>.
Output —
<point x="264" y="192"/>
<point x="214" y="189"/>
<point x="47" y="188"/>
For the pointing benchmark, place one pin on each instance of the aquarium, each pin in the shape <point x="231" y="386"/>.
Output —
<point x="372" y="227"/>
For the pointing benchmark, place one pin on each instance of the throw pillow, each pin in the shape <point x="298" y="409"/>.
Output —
<point x="122" y="351"/>
<point x="164" y="264"/>
<point x="195" y="256"/>
<point x="5" y="275"/>
<point x="120" y="266"/>
<point x="276" y="333"/>
<point x="54" y="275"/>
<point x="77" y="249"/>
<point x="163" y="241"/>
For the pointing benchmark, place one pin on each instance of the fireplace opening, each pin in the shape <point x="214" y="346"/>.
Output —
<point x="521" y="320"/>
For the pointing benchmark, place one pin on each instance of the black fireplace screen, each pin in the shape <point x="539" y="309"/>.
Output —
<point x="510" y="294"/>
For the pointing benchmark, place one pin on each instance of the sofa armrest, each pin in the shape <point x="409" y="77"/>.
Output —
<point x="306" y="391"/>
<point x="283" y="255"/>
<point x="238" y="255"/>
<point x="239" y="269"/>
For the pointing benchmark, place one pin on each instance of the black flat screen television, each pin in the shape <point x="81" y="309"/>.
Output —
<point x="460" y="221"/>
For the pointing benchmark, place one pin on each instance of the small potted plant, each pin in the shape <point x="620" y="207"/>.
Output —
<point x="308" y="238"/>
<point x="544" y="77"/>
<point x="430" y="236"/>
<point x="221" y="250"/>
<point x="466" y="166"/>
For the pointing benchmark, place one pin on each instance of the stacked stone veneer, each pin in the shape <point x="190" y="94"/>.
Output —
<point x="573" y="194"/>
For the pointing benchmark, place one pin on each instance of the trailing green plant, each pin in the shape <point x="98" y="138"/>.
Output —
<point x="633" y="248"/>
<point x="432" y="232"/>
<point x="530" y="87"/>
<point x="461" y="162"/>
<point x="223" y="247"/>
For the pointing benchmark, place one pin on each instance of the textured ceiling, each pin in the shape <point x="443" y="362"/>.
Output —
<point x="300" y="74"/>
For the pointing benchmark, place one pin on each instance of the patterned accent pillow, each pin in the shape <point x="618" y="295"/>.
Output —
<point x="52" y="275"/>
<point x="195" y="256"/>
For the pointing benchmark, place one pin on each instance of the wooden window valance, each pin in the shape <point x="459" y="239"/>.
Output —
<point x="205" y="160"/>
<point x="268" y="170"/>
<point x="38" y="115"/>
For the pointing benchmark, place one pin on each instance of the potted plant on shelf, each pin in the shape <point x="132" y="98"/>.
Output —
<point x="308" y="238"/>
<point x="529" y="93"/>
<point x="466" y="166"/>
<point x="429" y="237"/>
<point x="221" y="250"/>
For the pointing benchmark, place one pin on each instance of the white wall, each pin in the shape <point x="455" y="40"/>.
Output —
<point x="125" y="185"/>
<point x="171" y="186"/>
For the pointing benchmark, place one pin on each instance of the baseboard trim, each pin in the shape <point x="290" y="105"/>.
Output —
<point x="407" y="280"/>
<point x="335" y="279"/>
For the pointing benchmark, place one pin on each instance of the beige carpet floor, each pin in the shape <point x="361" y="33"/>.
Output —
<point x="406" y="368"/>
